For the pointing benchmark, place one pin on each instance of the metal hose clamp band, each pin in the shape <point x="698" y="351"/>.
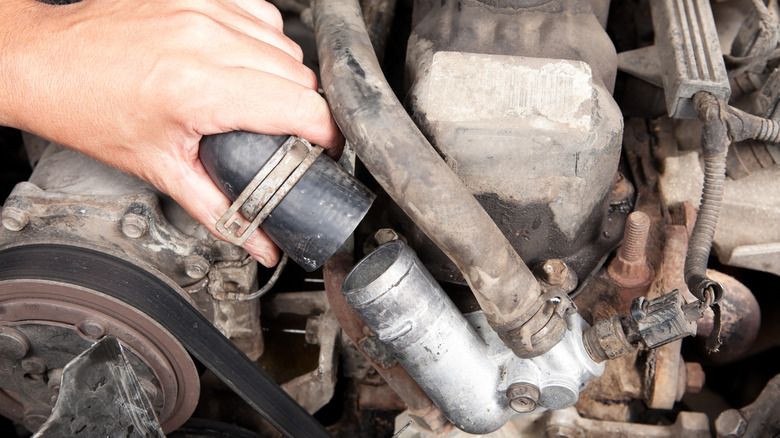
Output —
<point x="267" y="189"/>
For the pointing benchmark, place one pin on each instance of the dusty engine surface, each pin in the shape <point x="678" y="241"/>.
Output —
<point x="551" y="176"/>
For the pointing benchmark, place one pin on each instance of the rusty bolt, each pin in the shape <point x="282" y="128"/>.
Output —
<point x="92" y="329"/>
<point x="523" y="396"/>
<point x="556" y="273"/>
<point x="34" y="365"/>
<point x="134" y="225"/>
<point x="196" y="266"/>
<point x="15" y="219"/>
<point x="694" y="377"/>
<point x="730" y="424"/>
<point x="630" y="268"/>
<point x="14" y="345"/>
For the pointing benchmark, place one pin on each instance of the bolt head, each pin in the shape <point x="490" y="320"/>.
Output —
<point x="523" y="396"/>
<point x="196" y="266"/>
<point x="134" y="225"/>
<point x="554" y="271"/>
<point x="522" y="404"/>
<point x="694" y="377"/>
<point x="730" y="424"/>
<point x="15" y="219"/>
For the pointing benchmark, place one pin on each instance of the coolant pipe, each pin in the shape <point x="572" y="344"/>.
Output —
<point x="401" y="159"/>
<point x="402" y="303"/>
<point x="458" y="360"/>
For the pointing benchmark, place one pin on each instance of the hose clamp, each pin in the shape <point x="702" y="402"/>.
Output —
<point x="267" y="189"/>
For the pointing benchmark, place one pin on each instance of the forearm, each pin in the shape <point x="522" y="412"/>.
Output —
<point x="17" y="19"/>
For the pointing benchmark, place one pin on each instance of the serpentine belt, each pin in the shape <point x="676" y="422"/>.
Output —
<point x="154" y="297"/>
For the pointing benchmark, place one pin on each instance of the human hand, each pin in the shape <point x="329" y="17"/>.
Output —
<point x="136" y="85"/>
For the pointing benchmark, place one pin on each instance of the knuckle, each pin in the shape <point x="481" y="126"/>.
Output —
<point x="272" y="15"/>
<point x="310" y="80"/>
<point x="297" y="51"/>
<point x="310" y="110"/>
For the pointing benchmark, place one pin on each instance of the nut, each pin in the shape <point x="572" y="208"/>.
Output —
<point x="694" y="377"/>
<point x="630" y="268"/>
<point x="196" y="266"/>
<point x="523" y="396"/>
<point x="134" y="225"/>
<point x="15" y="219"/>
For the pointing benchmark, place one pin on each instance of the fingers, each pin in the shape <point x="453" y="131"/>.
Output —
<point x="262" y="10"/>
<point x="197" y="194"/>
<point x="270" y="104"/>
<point x="243" y="22"/>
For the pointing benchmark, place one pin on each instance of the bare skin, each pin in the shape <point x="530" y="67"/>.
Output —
<point x="136" y="84"/>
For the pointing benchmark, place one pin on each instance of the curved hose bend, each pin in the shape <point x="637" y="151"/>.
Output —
<point x="414" y="175"/>
<point x="715" y="142"/>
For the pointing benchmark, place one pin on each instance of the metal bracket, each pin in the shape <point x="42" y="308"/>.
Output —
<point x="267" y="189"/>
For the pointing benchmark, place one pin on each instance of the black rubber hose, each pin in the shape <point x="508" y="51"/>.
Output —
<point x="414" y="175"/>
<point x="715" y="142"/>
<point x="704" y="230"/>
<point x="314" y="218"/>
